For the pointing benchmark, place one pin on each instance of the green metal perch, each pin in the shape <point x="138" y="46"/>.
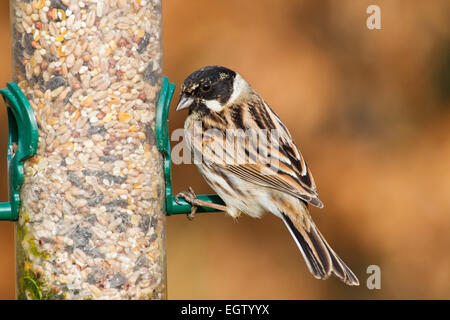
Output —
<point x="163" y="140"/>
<point x="22" y="144"/>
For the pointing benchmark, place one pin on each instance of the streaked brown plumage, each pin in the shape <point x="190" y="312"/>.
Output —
<point x="253" y="178"/>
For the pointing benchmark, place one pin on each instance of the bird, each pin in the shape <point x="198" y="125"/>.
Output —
<point x="253" y="176"/>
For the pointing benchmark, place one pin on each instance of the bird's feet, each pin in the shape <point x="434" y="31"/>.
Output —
<point x="190" y="198"/>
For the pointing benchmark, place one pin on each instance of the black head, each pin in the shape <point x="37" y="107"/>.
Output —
<point x="207" y="89"/>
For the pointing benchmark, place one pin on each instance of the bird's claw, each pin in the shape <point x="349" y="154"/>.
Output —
<point x="190" y="198"/>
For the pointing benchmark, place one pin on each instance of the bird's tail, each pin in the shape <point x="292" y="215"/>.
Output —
<point x="321" y="260"/>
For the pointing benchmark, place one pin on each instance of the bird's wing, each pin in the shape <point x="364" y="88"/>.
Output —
<point x="281" y="177"/>
<point x="274" y="162"/>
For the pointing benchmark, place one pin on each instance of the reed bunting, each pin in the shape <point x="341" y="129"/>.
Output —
<point x="268" y="175"/>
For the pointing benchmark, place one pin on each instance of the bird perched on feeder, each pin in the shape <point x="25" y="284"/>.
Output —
<point x="268" y="175"/>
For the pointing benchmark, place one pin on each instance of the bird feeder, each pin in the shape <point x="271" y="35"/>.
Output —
<point x="91" y="220"/>
<point x="89" y="161"/>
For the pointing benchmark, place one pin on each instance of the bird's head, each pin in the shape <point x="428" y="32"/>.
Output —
<point x="210" y="89"/>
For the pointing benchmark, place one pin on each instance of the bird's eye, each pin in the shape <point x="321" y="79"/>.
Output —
<point x="206" y="87"/>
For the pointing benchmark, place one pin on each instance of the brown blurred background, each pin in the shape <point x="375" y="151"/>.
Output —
<point x="370" y="110"/>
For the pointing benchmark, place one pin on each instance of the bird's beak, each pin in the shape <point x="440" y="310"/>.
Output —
<point x="185" y="102"/>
